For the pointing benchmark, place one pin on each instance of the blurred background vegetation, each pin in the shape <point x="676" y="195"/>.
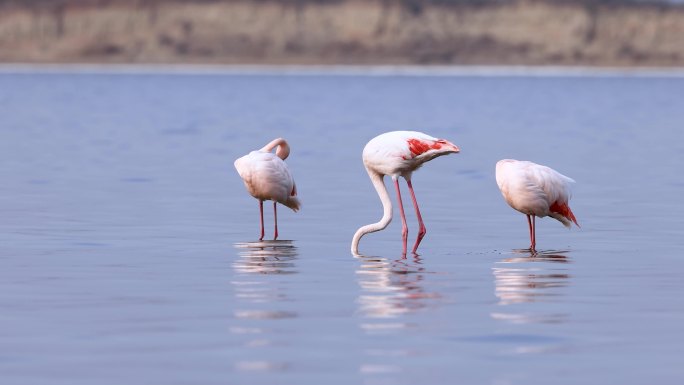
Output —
<point x="493" y="32"/>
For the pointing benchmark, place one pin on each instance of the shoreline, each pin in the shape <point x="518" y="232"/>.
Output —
<point x="339" y="70"/>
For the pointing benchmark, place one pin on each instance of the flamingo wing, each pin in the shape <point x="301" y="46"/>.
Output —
<point x="519" y="188"/>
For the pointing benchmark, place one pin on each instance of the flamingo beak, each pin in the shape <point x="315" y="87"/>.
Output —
<point x="445" y="145"/>
<point x="454" y="147"/>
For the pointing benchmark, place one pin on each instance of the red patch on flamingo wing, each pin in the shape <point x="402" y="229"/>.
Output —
<point x="438" y="144"/>
<point x="294" y="191"/>
<point x="564" y="210"/>
<point x="417" y="146"/>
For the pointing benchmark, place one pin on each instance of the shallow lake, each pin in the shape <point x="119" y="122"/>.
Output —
<point x="129" y="252"/>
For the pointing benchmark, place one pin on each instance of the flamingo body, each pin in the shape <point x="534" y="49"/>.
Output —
<point x="398" y="154"/>
<point x="536" y="191"/>
<point x="267" y="177"/>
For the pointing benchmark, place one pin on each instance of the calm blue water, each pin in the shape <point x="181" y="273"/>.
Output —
<point x="128" y="245"/>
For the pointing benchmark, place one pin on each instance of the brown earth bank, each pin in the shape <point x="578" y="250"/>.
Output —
<point x="517" y="32"/>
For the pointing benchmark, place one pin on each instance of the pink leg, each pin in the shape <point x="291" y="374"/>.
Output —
<point x="534" y="233"/>
<point x="261" y="218"/>
<point x="421" y="226"/>
<point x="275" y="216"/>
<point x="530" y="223"/>
<point x="404" y="227"/>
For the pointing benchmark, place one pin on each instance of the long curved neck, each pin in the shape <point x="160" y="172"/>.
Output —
<point x="379" y="185"/>
<point x="282" y="150"/>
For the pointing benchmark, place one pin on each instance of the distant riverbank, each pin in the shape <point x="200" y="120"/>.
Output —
<point x="341" y="70"/>
<point x="342" y="32"/>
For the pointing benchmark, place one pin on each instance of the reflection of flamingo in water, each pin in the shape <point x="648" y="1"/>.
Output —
<point x="398" y="153"/>
<point x="536" y="191"/>
<point x="267" y="257"/>
<point x="533" y="278"/>
<point x="253" y="282"/>
<point x="267" y="177"/>
<point x="391" y="287"/>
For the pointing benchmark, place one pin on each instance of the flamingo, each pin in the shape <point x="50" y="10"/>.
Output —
<point x="267" y="177"/>
<point x="398" y="153"/>
<point x="536" y="191"/>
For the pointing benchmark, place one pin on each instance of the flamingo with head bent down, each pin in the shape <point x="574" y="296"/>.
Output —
<point x="267" y="177"/>
<point x="398" y="153"/>
<point x="536" y="191"/>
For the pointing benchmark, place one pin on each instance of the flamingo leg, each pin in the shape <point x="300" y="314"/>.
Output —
<point x="261" y="218"/>
<point x="404" y="227"/>
<point x="534" y="233"/>
<point x="275" y="217"/>
<point x="531" y="224"/>
<point x="421" y="226"/>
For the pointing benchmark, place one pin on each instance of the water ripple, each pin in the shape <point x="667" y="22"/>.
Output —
<point x="266" y="257"/>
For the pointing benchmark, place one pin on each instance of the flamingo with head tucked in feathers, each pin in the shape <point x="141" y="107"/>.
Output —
<point x="398" y="153"/>
<point x="267" y="177"/>
<point x="536" y="191"/>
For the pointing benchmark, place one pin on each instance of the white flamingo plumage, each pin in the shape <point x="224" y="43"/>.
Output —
<point x="536" y="191"/>
<point x="267" y="177"/>
<point x="398" y="153"/>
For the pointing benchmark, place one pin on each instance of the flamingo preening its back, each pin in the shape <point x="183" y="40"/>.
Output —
<point x="267" y="177"/>
<point x="398" y="153"/>
<point x="536" y="191"/>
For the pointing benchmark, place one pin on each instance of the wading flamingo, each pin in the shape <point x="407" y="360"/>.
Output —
<point x="536" y="191"/>
<point x="267" y="177"/>
<point x="398" y="153"/>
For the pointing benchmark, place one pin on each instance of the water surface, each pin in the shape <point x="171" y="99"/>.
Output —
<point x="130" y="254"/>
